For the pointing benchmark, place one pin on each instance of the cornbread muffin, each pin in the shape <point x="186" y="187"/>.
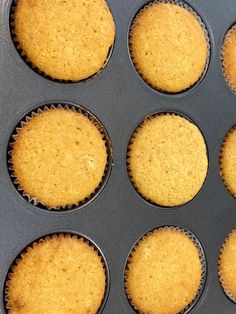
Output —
<point x="227" y="266"/>
<point x="58" y="275"/>
<point x="67" y="40"/>
<point x="164" y="272"/>
<point x="229" y="57"/>
<point x="169" y="46"/>
<point x="228" y="161"/>
<point x="59" y="157"/>
<point x="167" y="159"/>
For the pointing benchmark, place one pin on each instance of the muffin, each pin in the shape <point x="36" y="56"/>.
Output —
<point x="227" y="266"/>
<point x="164" y="272"/>
<point x="58" y="157"/>
<point x="169" y="46"/>
<point x="229" y="57"/>
<point x="228" y="161"/>
<point x="167" y="159"/>
<point x="59" y="274"/>
<point x="66" y="40"/>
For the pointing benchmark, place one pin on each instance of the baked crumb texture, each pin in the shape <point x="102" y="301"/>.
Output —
<point x="227" y="266"/>
<point x="165" y="272"/>
<point x="169" y="46"/>
<point x="167" y="159"/>
<point x="59" y="157"/>
<point x="229" y="57"/>
<point x="65" y="40"/>
<point x="228" y="161"/>
<point x="59" y="274"/>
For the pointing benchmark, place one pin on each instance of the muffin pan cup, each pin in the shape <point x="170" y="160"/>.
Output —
<point x="35" y="68"/>
<point x="221" y="279"/>
<point x="150" y="116"/>
<point x="188" y="7"/>
<point x="94" y="120"/>
<point x="227" y="185"/>
<point x="121" y="99"/>
<point x="64" y="234"/>
<point x="202" y="258"/>
<point x="227" y="35"/>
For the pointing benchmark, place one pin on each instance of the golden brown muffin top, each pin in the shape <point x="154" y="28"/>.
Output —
<point x="58" y="275"/>
<point x="59" y="157"/>
<point x="229" y="57"/>
<point x="167" y="160"/>
<point x="227" y="265"/>
<point x="228" y="161"/>
<point x="168" y="47"/>
<point x="67" y="40"/>
<point x="164" y="272"/>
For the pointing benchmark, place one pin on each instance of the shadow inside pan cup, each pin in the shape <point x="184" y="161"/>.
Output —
<point x="62" y="270"/>
<point x="167" y="159"/>
<point x="59" y="157"/>
<point x="169" y="46"/>
<point x="57" y="48"/>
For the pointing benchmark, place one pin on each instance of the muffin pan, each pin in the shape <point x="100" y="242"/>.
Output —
<point x="120" y="99"/>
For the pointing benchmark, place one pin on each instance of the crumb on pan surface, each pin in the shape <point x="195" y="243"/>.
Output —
<point x="67" y="40"/>
<point x="228" y="161"/>
<point x="163" y="273"/>
<point x="169" y="46"/>
<point x="58" y="275"/>
<point x="167" y="159"/>
<point x="227" y="265"/>
<point x="229" y="57"/>
<point x="59" y="157"/>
